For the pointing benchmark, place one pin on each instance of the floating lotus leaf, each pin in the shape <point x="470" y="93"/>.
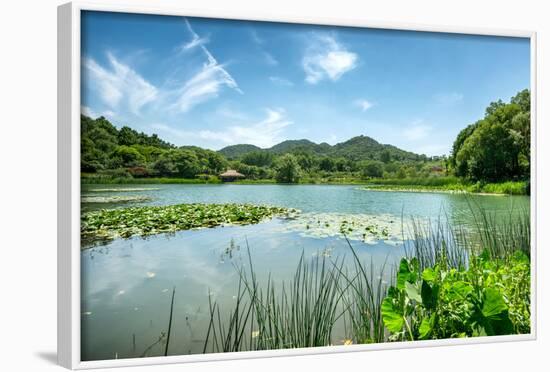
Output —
<point x="108" y="224"/>
<point x="370" y="229"/>
<point x="115" y="199"/>
<point x="133" y="189"/>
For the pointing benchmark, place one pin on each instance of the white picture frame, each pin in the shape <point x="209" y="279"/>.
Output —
<point x="69" y="61"/>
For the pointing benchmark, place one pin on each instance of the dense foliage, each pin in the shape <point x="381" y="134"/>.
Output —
<point x="491" y="297"/>
<point x="111" y="153"/>
<point x="497" y="147"/>
<point x="125" y="152"/>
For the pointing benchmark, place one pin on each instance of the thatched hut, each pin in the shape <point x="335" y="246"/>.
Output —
<point x="231" y="175"/>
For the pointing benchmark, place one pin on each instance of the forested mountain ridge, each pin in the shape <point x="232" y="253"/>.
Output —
<point x="125" y="152"/>
<point x="357" y="148"/>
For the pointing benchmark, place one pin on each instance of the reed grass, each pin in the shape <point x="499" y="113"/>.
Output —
<point x="363" y="293"/>
<point x="170" y="322"/>
<point x="300" y="313"/>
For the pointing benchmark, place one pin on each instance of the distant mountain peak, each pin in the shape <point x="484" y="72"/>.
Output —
<point x="357" y="148"/>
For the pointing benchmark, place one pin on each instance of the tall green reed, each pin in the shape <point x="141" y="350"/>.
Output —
<point x="300" y="313"/>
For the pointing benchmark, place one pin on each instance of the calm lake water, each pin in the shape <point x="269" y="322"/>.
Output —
<point x="127" y="283"/>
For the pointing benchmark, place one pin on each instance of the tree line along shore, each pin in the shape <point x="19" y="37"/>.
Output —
<point x="491" y="155"/>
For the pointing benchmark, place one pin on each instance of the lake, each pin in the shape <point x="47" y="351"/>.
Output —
<point x="127" y="284"/>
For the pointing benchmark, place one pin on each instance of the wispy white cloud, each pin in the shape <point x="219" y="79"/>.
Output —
<point x="206" y="83"/>
<point x="417" y="131"/>
<point x="88" y="111"/>
<point x="120" y="84"/>
<point x="281" y="81"/>
<point x="449" y="98"/>
<point x="195" y="40"/>
<point x="326" y="58"/>
<point x="363" y="104"/>
<point x="85" y="110"/>
<point x="265" y="133"/>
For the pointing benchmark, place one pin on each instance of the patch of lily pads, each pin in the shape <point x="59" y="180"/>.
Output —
<point x="115" y="199"/>
<point x="126" y="189"/>
<point x="370" y="229"/>
<point x="109" y="224"/>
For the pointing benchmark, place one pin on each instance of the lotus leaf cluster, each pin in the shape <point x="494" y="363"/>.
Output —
<point x="108" y="224"/>
<point x="367" y="228"/>
<point x="115" y="199"/>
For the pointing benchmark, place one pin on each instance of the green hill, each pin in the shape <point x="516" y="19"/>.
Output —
<point x="356" y="148"/>
<point x="237" y="151"/>
<point x="366" y="148"/>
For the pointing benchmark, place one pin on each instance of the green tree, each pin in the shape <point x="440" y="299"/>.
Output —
<point x="127" y="136"/>
<point x="496" y="148"/>
<point x="372" y="169"/>
<point x="306" y="160"/>
<point x="178" y="162"/>
<point x="128" y="156"/>
<point x="287" y="169"/>
<point x="327" y="164"/>
<point x="258" y="158"/>
<point x="385" y="156"/>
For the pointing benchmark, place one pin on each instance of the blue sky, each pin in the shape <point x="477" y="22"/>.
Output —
<point x="214" y="83"/>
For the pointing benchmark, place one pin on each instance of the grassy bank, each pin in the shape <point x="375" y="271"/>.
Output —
<point x="449" y="184"/>
<point x="452" y="283"/>
<point x="94" y="179"/>
<point x="428" y="184"/>
<point x="88" y="179"/>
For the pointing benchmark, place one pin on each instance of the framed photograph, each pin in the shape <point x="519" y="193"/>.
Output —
<point x="238" y="185"/>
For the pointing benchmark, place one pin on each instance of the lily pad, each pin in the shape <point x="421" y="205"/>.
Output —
<point x="108" y="224"/>
<point x="368" y="228"/>
<point x="115" y="199"/>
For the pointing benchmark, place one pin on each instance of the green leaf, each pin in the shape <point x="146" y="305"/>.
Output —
<point x="392" y="316"/>
<point x="429" y="295"/>
<point x="429" y="275"/>
<point x="493" y="304"/>
<point x="426" y="328"/>
<point x="460" y="290"/>
<point x="413" y="292"/>
<point x="408" y="272"/>
<point x="403" y="274"/>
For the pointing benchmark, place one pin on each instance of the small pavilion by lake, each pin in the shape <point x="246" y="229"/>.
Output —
<point x="231" y="175"/>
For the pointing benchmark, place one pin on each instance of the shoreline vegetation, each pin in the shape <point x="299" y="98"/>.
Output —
<point x="435" y="184"/>
<point x="490" y="156"/>
<point x="451" y="185"/>
<point x="450" y="285"/>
